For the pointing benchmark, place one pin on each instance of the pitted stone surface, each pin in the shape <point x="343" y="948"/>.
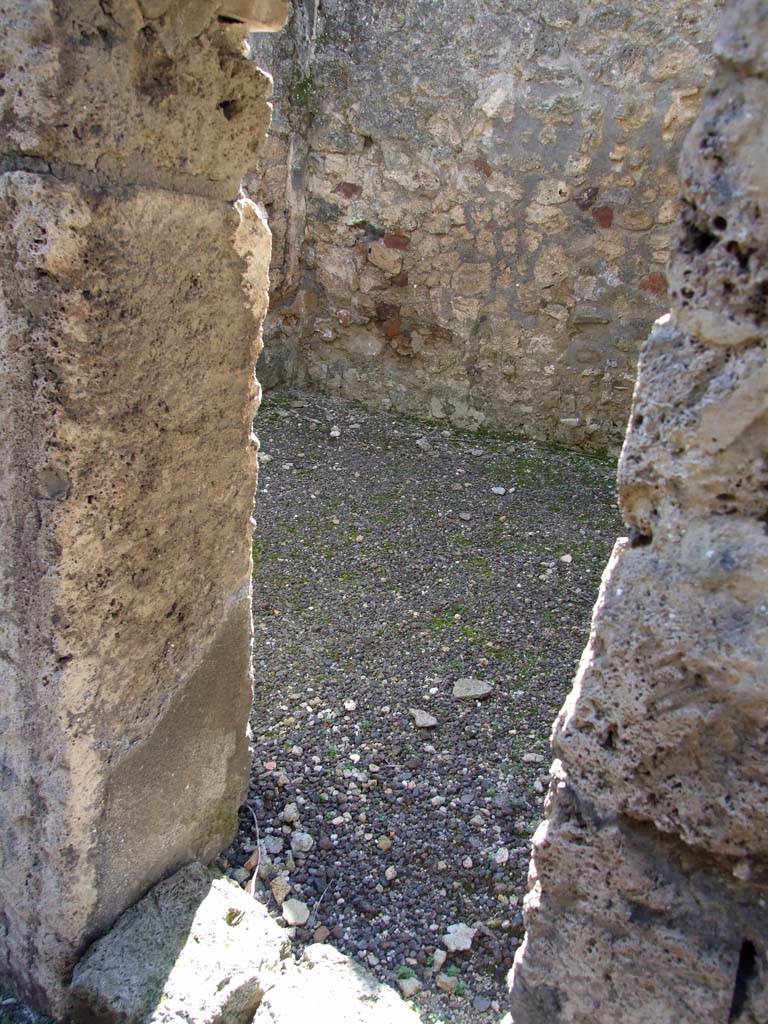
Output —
<point x="160" y="98"/>
<point x="648" y="888"/>
<point x="130" y="304"/>
<point x="473" y="206"/>
<point x="196" y="948"/>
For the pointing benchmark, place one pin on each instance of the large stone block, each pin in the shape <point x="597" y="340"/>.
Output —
<point x="127" y="473"/>
<point x="648" y="878"/>
<point x="625" y="926"/>
<point x="665" y="722"/>
<point x="196" y="948"/>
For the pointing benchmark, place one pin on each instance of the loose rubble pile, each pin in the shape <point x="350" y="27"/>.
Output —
<point x="421" y="599"/>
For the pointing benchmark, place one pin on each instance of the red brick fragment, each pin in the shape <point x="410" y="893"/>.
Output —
<point x="483" y="167"/>
<point x="395" y="240"/>
<point x="655" y="283"/>
<point x="391" y="328"/>
<point x="399" y="280"/>
<point x="603" y="215"/>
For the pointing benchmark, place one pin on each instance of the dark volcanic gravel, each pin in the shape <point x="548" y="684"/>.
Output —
<point x="385" y="569"/>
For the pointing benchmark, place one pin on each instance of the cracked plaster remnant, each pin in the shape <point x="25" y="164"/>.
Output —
<point x="648" y="884"/>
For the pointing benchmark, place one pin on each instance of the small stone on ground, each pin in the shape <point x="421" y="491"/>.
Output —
<point x="472" y="689"/>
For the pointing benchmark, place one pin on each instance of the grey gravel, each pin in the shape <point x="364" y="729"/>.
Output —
<point x="373" y="596"/>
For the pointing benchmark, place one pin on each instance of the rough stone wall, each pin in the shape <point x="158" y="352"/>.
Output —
<point x="473" y="203"/>
<point x="132" y="287"/>
<point x="649" y="884"/>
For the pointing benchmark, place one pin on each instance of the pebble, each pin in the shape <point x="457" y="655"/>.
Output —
<point x="409" y="987"/>
<point x="335" y="432"/>
<point x="290" y="814"/>
<point x="253" y="861"/>
<point x="458" y="937"/>
<point x="391" y="873"/>
<point x="481" y="1004"/>
<point x="566" y="558"/>
<point x="499" y="490"/>
<point x="501" y="856"/>
<point x="470" y="688"/>
<point x="321" y="934"/>
<point x="302" y="842"/>
<point x="273" y="845"/>
<point x="532" y="758"/>
<point x="438" y="959"/>
<point x="465" y="516"/>
<point x="384" y="843"/>
<point x="295" y="912"/>
<point x="280" y="887"/>
<point x="424" y="444"/>
<point x="446" y="983"/>
<point x="422" y="719"/>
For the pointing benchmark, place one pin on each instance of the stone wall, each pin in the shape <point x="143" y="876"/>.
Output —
<point x="131" y="293"/>
<point x="473" y="203"/>
<point x="649" y="885"/>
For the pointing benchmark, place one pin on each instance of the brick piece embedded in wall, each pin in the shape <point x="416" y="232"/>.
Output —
<point x="483" y="167"/>
<point x="655" y="283"/>
<point x="396" y="240"/>
<point x="399" y="280"/>
<point x="603" y="215"/>
<point x="391" y="328"/>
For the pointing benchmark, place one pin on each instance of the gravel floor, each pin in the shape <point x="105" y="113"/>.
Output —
<point x="389" y="564"/>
